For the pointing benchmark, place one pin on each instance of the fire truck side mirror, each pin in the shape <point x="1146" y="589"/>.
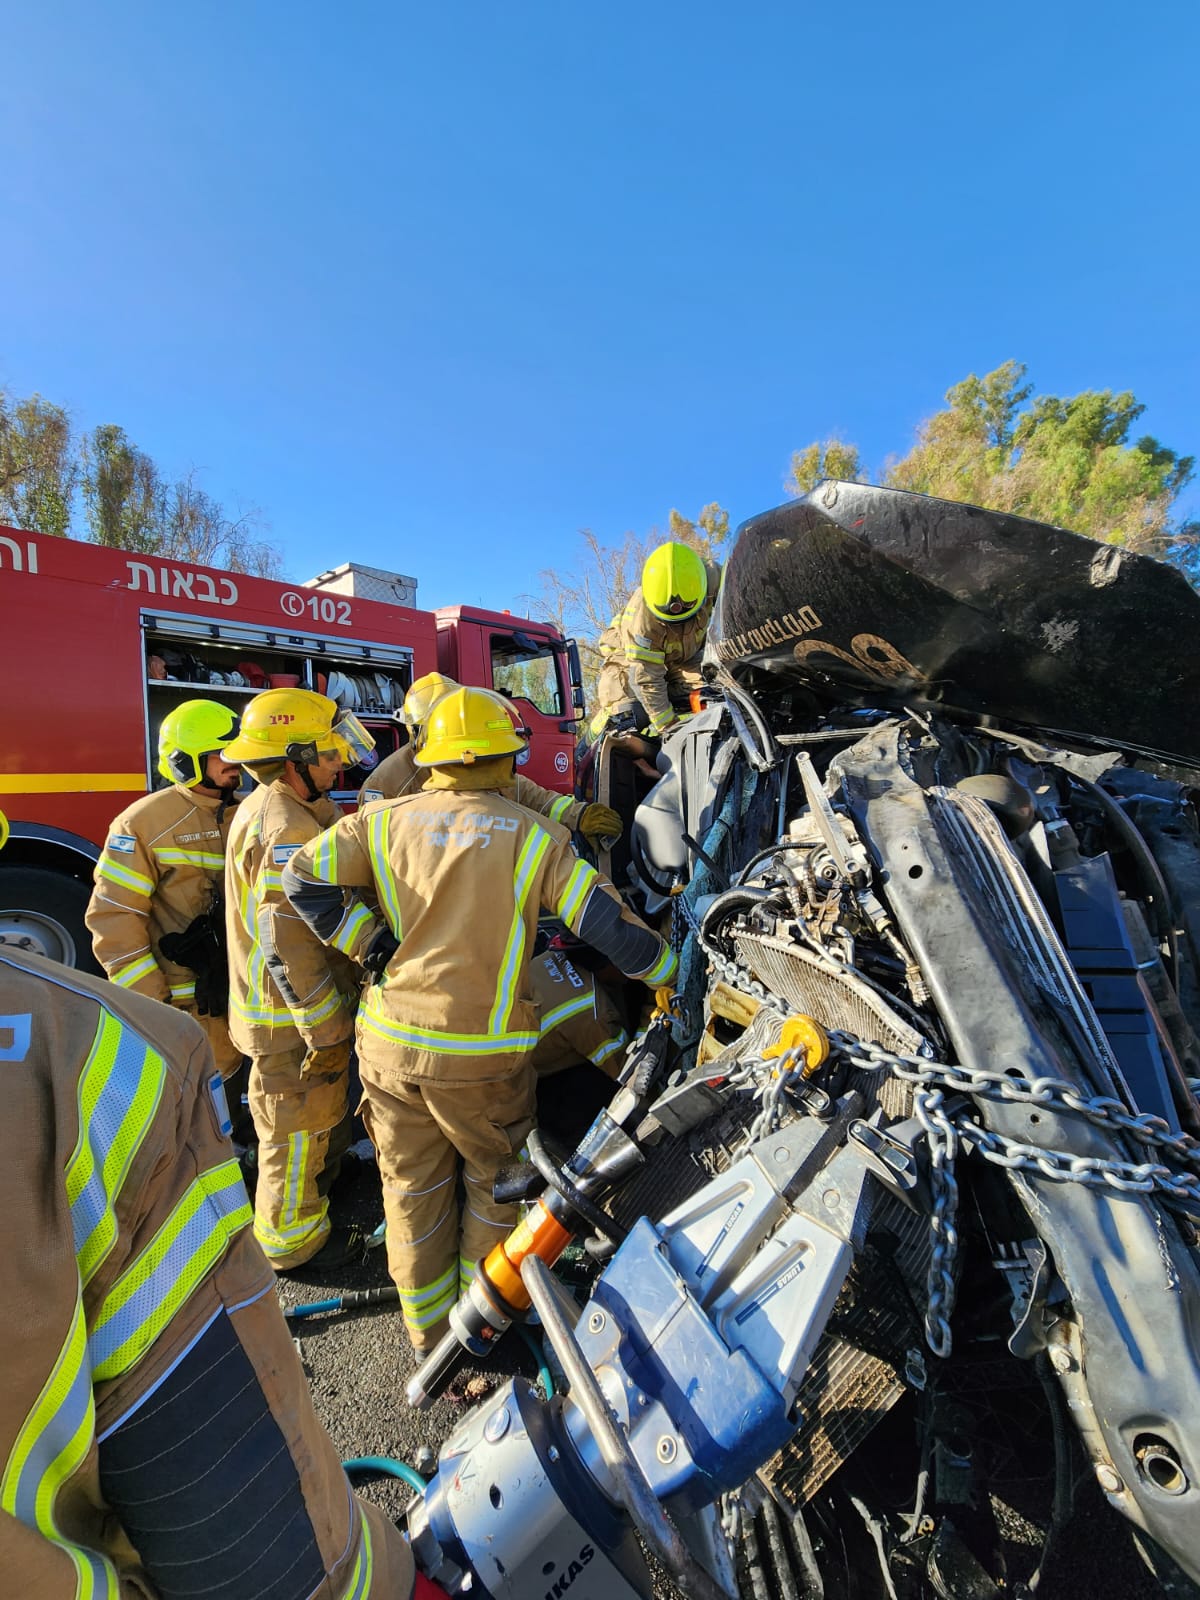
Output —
<point x="576" y="674"/>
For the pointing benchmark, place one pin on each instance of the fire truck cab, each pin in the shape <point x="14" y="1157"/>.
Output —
<point x="101" y="643"/>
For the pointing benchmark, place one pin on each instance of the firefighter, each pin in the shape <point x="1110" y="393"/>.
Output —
<point x="651" y="653"/>
<point x="292" y="1001"/>
<point x="399" y="773"/>
<point x="577" y="1018"/>
<point x="447" y="1028"/>
<point x="156" y="915"/>
<point x="157" y="1436"/>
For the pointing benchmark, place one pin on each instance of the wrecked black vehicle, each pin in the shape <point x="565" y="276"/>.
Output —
<point x="932" y="861"/>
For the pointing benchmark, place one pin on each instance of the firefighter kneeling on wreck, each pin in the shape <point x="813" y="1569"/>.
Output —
<point x="447" y="1029"/>
<point x="651" y="653"/>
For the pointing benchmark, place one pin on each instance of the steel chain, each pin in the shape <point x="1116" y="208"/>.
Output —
<point x="933" y="1082"/>
<point x="941" y="1135"/>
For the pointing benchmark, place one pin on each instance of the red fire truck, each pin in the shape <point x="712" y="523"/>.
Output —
<point x="99" y="644"/>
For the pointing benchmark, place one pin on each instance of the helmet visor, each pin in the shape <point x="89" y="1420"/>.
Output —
<point x="352" y="741"/>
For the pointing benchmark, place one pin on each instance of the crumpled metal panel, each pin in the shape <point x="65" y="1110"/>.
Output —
<point x="880" y="597"/>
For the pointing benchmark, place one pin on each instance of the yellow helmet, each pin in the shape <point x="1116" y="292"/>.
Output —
<point x="465" y="726"/>
<point x="297" y="725"/>
<point x="423" y="696"/>
<point x="3" y="830"/>
<point x="190" y="734"/>
<point x="674" y="582"/>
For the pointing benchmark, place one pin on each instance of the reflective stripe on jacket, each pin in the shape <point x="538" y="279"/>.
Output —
<point x="319" y="1010"/>
<point x="399" y="774"/>
<point x="460" y="879"/>
<point x="117" y="1256"/>
<point x="127" y="1256"/>
<point x="162" y="866"/>
<point x="643" y="656"/>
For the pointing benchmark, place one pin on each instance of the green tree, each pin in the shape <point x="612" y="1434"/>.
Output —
<point x="1070" y="462"/>
<point x="122" y="492"/>
<point x="708" y="533"/>
<point x="38" y="465"/>
<point x="825" y="458"/>
<point x="130" y="506"/>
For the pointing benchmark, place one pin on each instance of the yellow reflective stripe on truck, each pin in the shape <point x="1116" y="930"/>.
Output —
<point x="70" y="782"/>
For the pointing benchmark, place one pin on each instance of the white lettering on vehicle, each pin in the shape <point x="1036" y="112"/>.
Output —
<point x="22" y="560"/>
<point x="321" y="607"/>
<point x="173" y="582"/>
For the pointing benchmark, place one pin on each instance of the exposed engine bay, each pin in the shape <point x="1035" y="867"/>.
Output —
<point x="913" y="1194"/>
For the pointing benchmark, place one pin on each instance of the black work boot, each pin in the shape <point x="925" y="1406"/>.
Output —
<point x="345" y="1246"/>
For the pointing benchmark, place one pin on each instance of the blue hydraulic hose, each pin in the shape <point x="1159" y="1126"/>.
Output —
<point x="350" y="1301"/>
<point x="311" y="1309"/>
<point x="544" y="1378"/>
<point x="389" y="1467"/>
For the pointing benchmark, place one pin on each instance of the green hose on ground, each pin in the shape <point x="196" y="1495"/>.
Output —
<point x="388" y="1467"/>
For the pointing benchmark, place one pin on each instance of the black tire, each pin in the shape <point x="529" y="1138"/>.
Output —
<point x="47" y="909"/>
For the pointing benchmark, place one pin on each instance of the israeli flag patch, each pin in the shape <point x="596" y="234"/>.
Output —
<point x="123" y="842"/>
<point x="16" y="1032"/>
<point x="281" y="854"/>
<point x="216" y="1090"/>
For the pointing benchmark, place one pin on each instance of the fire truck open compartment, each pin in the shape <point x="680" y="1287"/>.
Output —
<point x="367" y="677"/>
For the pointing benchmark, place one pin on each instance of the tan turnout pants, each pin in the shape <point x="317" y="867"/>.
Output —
<point x="303" y="1127"/>
<point x="420" y="1129"/>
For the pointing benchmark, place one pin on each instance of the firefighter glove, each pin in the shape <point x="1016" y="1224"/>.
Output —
<point x="380" y="951"/>
<point x="600" y="822"/>
<point x="201" y="948"/>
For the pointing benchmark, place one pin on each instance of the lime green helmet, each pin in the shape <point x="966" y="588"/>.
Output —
<point x="674" y="582"/>
<point x="190" y="734"/>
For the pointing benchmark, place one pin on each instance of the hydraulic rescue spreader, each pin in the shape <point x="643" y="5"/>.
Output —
<point x="682" y="1369"/>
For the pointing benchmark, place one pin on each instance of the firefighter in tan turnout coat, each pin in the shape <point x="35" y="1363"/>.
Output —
<point x="156" y="1433"/>
<point x="292" y="1000"/>
<point x="399" y="774"/>
<point x="652" y="652"/>
<point x="161" y="877"/>
<point x="447" y="1030"/>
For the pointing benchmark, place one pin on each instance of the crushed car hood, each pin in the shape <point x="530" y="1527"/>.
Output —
<point x="880" y="597"/>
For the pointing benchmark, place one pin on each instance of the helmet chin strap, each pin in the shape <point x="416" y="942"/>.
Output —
<point x="227" y="792"/>
<point x="305" y="772"/>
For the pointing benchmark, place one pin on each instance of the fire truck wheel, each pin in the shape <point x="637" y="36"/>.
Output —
<point x="46" y="909"/>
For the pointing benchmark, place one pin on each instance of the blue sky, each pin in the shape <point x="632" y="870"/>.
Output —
<point x="437" y="286"/>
